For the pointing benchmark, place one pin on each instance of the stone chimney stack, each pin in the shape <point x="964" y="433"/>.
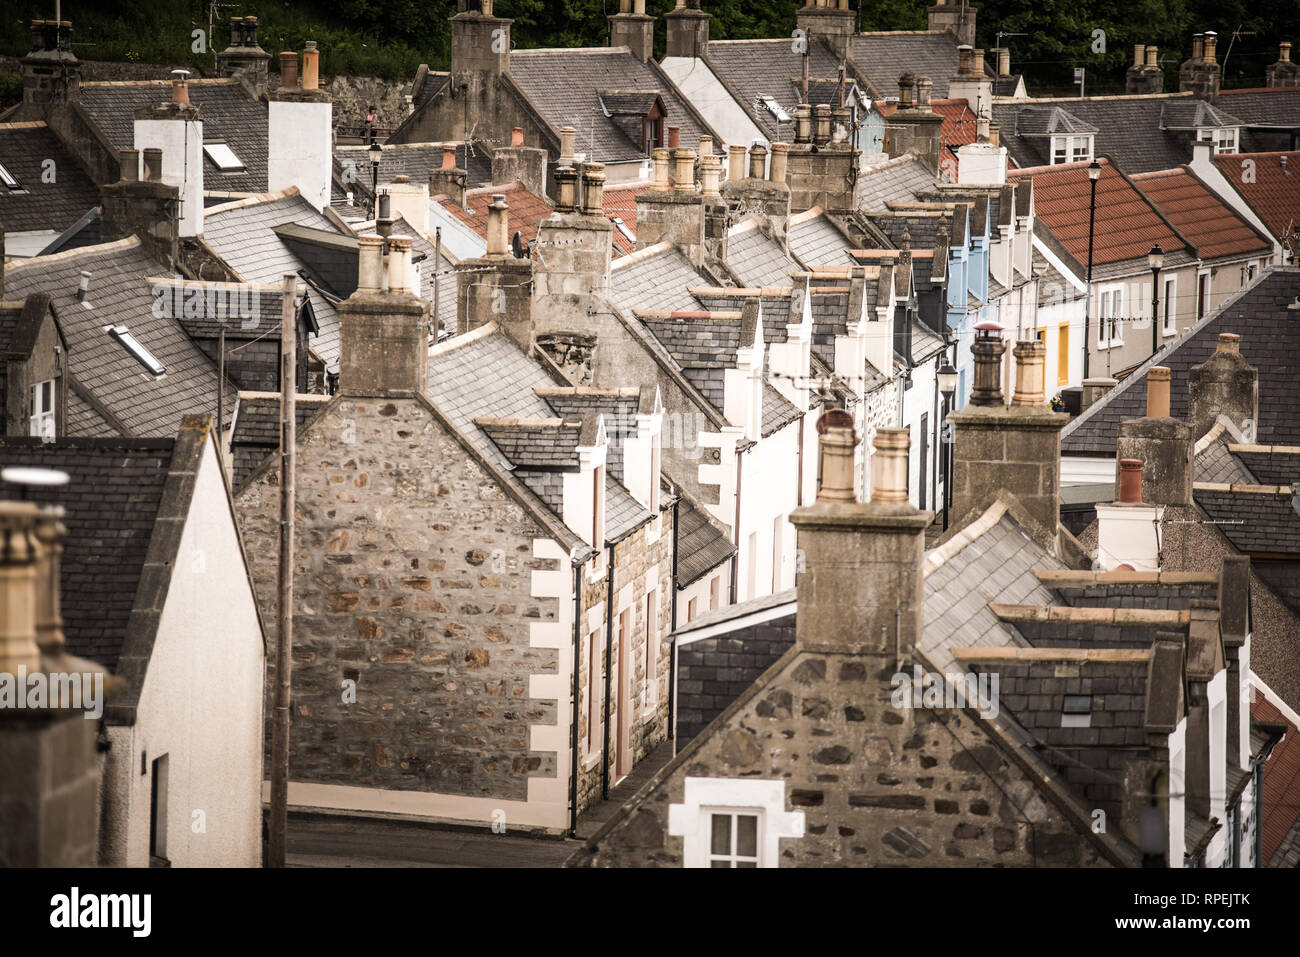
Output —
<point x="449" y="179"/>
<point x="1008" y="448"/>
<point x="821" y="169"/>
<point x="688" y="30"/>
<point x="1201" y="74"/>
<point x="1234" y="627"/>
<point x="244" y="58"/>
<point x="176" y="128"/>
<point x="971" y="84"/>
<point x="1004" y="61"/>
<point x="144" y="207"/>
<point x="383" y="329"/>
<point x="497" y="287"/>
<point x="631" y="28"/>
<point x="524" y="164"/>
<point x="860" y="591"/>
<point x="300" y="124"/>
<point x="956" y="17"/>
<point x="716" y="219"/>
<point x="52" y="806"/>
<point x="1162" y="443"/>
<point x="1224" y="384"/>
<point x="674" y="214"/>
<point x="829" y="20"/>
<point x="914" y="127"/>
<point x="1127" y="530"/>
<point x="480" y="46"/>
<point x="1145" y="75"/>
<point x="1284" y="72"/>
<point x="762" y="195"/>
<point x="51" y="71"/>
<point x="575" y="247"/>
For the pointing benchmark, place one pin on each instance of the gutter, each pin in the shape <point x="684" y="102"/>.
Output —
<point x="609" y="660"/>
<point x="577" y="692"/>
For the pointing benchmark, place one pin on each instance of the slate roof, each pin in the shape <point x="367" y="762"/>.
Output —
<point x="901" y="178"/>
<point x="1128" y="129"/>
<point x="617" y="409"/>
<point x="243" y="234"/>
<point x="753" y="69"/>
<point x="1272" y="465"/>
<point x="564" y="86"/>
<point x="121" y="294"/>
<point x="816" y="242"/>
<point x="1216" y="464"/>
<point x="757" y="259"/>
<point x="205" y="309"/>
<point x="1271" y="114"/>
<point x="25" y="151"/>
<point x="1192" y="115"/>
<point x="256" y="432"/>
<point x="111" y="500"/>
<point x="1272" y="524"/>
<point x="1270" y="341"/>
<point x="1210" y="224"/>
<point x="538" y="443"/>
<point x="1274" y="195"/>
<point x="84" y="232"/>
<point x="657" y="277"/>
<point x="778" y="411"/>
<point x="884" y="57"/>
<point x="227" y="111"/>
<point x="1126" y="225"/>
<point x="703" y="346"/>
<point x="990" y="560"/>
<point x="701" y="546"/>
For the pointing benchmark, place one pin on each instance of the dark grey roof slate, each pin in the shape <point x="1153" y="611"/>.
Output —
<point x="778" y="411"/>
<point x="533" y="445"/>
<point x="754" y="69"/>
<point x="884" y="57"/>
<point x="900" y="179"/>
<point x="758" y="259"/>
<point x="26" y="151"/>
<point x="256" y="432"/>
<point x="1270" y="341"/>
<point x="702" y="547"/>
<point x="1275" y="467"/>
<point x="816" y="242"/>
<point x="1271" y="523"/>
<point x="658" y="281"/>
<point x="1216" y="464"/>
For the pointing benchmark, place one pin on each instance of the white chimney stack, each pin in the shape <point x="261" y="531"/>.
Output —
<point x="175" y="128"/>
<point x="300" y="134"/>
<point x="1128" y="532"/>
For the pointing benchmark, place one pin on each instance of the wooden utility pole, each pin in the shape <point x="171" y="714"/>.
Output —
<point x="284" y="650"/>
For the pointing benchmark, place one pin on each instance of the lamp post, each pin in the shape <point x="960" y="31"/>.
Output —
<point x="1155" y="259"/>
<point x="947" y="377"/>
<point x="376" y="153"/>
<point x="1094" y="174"/>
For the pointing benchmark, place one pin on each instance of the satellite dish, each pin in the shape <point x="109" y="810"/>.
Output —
<point x="517" y="245"/>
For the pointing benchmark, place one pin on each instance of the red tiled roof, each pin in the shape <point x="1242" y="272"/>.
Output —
<point x="620" y="201"/>
<point x="1126" y="225"/>
<point x="525" y="212"/>
<point x="1212" y="226"/>
<point x="1279" y="800"/>
<point x="1273" y="191"/>
<point x="959" y="128"/>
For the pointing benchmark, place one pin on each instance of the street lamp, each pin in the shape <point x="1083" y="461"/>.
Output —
<point x="1094" y="174"/>
<point x="1155" y="259"/>
<point x="376" y="153"/>
<point x="947" y="377"/>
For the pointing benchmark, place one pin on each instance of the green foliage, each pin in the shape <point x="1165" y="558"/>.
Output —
<point x="390" y="38"/>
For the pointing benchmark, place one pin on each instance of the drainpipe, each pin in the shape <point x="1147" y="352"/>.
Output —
<point x="672" y="649"/>
<point x="735" y="559"/>
<point x="577" y="692"/>
<point x="609" y="662"/>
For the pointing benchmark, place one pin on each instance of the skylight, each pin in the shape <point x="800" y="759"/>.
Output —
<point x="774" y="108"/>
<point x="223" y="157"/>
<point x="622" y="228"/>
<point x="134" y="346"/>
<point x="9" y="179"/>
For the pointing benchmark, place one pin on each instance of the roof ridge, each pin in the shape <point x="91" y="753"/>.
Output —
<point x="641" y="255"/>
<point x="937" y="556"/>
<point x="254" y="200"/>
<point x="23" y="124"/>
<point x="464" y="339"/>
<point x="164" y="81"/>
<point x="131" y="241"/>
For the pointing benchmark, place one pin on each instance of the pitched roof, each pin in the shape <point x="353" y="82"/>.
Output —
<point x="255" y="433"/>
<point x="901" y="178"/>
<point x="756" y="258"/>
<point x="1197" y="212"/>
<point x="959" y="129"/>
<point x="112" y="498"/>
<point x="1270" y="523"/>
<point x="120" y="293"/>
<point x="620" y="203"/>
<point x="55" y="192"/>
<point x="228" y="113"/>
<point x="525" y="213"/>
<point x="565" y="85"/>
<point x="815" y="241"/>
<point x="701" y="545"/>
<point x="243" y="233"/>
<point x="1270" y="341"/>
<point x="884" y="57"/>
<point x="535" y="443"/>
<point x="1126" y="225"/>
<point x="703" y="344"/>
<point x="657" y="277"/>
<point x="1272" y="190"/>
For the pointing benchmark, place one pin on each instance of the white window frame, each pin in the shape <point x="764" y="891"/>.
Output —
<point x="650" y="696"/>
<point x="594" y="744"/>
<point x="9" y="180"/>
<point x="1060" y="150"/>
<point x="1226" y="139"/>
<point x="702" y="797"/>
<point x="1110" y="318"/>
<point x="1203" y="281"/>
<point x="1080" y="145"/>
<point x="43" y="414"/>
<point x="223" y="157"/>
<point x="733" y="859"/>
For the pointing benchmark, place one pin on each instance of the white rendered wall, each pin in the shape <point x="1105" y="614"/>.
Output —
<point x="182" y="164"/>
<point x="300" y="138"/>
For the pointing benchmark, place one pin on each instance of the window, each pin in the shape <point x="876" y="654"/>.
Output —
<point x="656" y="444"/>
<point x="9" y="180"/>
<point x="775" y="109"/>
<point x="42" y="422"/>
<point x="733" y="838"/>
<point x="1202" y="294"/>
<point x="715" y="584"/>
<point x="1225" y="140"/>
<point x="753" y="565"/>
<point x="593" y="695"/>
<point x="1170" y="319"/>
<point x="598" y="517"/>
<point x="1080" y="149"/>
<point x="691" y="608"/>
<point x="1076" y="711"/>
<point x="223" y="157"/>
<point x="1110" y="317"/>
<point x="651" y="649"/>
<point x="777" y="524"/>
<point x="733" y="822"/>
<point x="1059" y="149"/>
<point x="1063" y="354"/>
<point x="158" y="811"/>
<point x="137" y="350"/>
<point x="622" y="228"/>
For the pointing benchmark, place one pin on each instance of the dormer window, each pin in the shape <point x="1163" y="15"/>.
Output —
<point x="652" y="137"/>
<point x="1225" y="140"/>
<point x="1071" y="149"/>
